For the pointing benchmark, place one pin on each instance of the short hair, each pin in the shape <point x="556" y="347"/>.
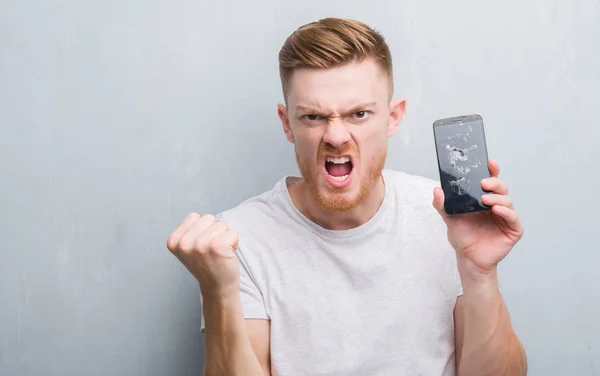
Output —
<point x="332" y="42"/>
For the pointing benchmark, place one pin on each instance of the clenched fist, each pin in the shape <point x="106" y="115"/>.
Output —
<point x="206" y="247"/>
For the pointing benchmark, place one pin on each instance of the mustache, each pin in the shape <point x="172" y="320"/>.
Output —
<point x="337" y="152"/>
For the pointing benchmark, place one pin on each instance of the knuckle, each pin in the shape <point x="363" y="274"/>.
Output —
<point x="209" y="218"/>
<point x="222" y="226"/>
<point x="214" y="244"/>
<point x="200" y="246"/>
<point x="172" y="243"/>
<point x="194" y="216"/>
<point x="228" y="239"/>
<point x="185" y="247"/>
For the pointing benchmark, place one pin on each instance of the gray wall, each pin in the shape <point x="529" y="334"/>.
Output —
<point x="118" y="118"/>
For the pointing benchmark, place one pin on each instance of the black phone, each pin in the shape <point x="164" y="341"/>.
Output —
<point x="463" y="162"/>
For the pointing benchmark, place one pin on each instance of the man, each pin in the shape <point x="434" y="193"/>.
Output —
<point x="351" y="269"/>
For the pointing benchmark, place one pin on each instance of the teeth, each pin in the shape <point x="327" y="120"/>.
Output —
<point x="338" y="160"/>
<point x="340" y="178"/>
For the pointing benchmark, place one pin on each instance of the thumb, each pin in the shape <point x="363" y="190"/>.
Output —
<point x="229" y="241"/>
<point x="438" y="202"/>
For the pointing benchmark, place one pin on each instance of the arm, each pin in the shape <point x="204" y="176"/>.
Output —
<point x="485" y="341"/>
<point x="259" y="332"/>
<point x="234" y="346"/>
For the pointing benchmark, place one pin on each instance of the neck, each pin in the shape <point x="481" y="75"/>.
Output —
<point x="306" y="203"/>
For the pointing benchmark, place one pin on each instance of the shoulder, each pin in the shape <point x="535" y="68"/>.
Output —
<point x="415" y="186"/>
<point x="263" y="225"/>
<point x="257" y="216"/>
<point x="424" y="225"/>
<point x="251" y="209"/>
<point x="414" y="197"/>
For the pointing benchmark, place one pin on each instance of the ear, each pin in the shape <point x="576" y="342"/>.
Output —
<point x="285" y="121"/>
<point x="397" y="108"/>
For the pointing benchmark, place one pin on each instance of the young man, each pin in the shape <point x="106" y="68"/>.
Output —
<point x="351" y="269"/>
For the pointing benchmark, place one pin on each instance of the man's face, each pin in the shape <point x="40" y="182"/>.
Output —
<point x="339" y="120"/>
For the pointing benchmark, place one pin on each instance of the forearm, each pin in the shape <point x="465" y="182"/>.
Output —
<point x="228" y="348"/>
<point x="490" y="345"/>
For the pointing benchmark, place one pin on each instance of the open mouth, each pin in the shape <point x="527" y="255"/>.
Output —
<point x="338" y="168"/>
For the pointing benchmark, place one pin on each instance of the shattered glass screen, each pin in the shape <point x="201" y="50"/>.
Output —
<point x="463" y="164"/>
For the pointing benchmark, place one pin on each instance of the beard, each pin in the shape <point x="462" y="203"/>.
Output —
<point x="330" y="198"/>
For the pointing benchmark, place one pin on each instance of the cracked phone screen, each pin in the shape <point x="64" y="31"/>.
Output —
<point x="462" y="159"/>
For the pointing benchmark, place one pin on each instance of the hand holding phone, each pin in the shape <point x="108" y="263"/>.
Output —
<point x="463" y="162"/>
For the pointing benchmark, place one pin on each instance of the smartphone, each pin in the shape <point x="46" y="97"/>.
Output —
<point x="463" y="162"/>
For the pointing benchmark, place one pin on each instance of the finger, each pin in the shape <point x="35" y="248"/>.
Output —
<point x="228" y="240"/>
<point x="494" y="168"/>
<point x="188" y="241"/>
<point x="494" y="185"/>
<point x="494" y="199"/>
<point x="438" y="199"/>
<point x="183" y="227"/>
<point x="215" y="230"/>
<point x="438" y="203"/>
<point x="510" y="216"/>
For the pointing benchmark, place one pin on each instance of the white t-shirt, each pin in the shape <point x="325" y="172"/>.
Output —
<point x="374" y="300"/>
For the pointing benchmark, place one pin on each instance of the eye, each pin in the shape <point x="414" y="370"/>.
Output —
<point x="361" y="116"/>
<point x="313" y="119"/>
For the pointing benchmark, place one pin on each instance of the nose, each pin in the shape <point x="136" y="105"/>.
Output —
<point x="337" y="134"/>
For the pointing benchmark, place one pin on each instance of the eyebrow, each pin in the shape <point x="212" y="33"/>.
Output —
<point x="306" y="109"/>
<point x="351" y="111"/>
<point x="360" y="107"/>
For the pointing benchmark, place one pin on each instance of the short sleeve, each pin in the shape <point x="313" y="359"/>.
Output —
<point x="460" y="288"/>
<point x="251" y="298"/>
<point x="441" y="234"/>
<point x="253" y="303"/>
<point x="455" y="274"/>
